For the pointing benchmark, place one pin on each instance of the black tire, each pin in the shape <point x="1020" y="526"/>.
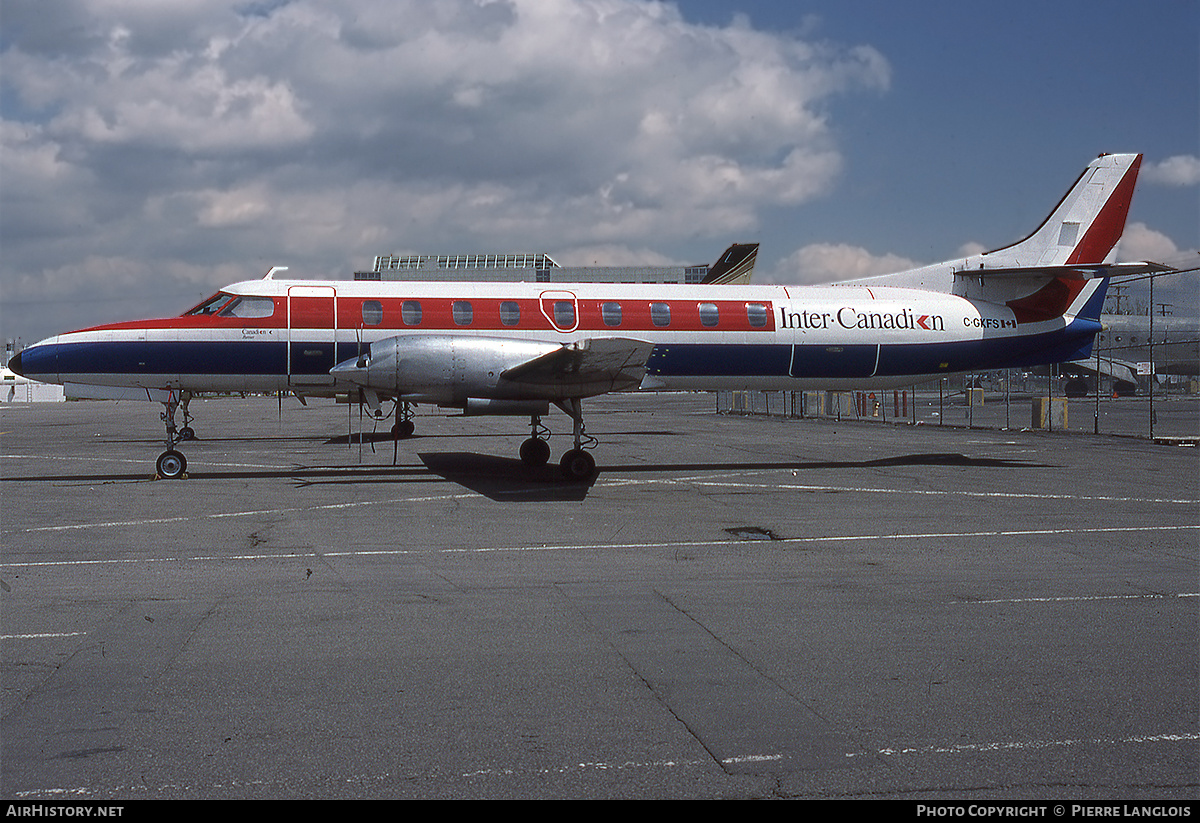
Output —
<point x="171" y="465"/>
<point x="535" y="452"/>
<point x="577" y="465"/>
<point x="404" y="428"/>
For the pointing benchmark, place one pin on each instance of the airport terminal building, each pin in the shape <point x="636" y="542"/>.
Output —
<point x="539" y="268"/>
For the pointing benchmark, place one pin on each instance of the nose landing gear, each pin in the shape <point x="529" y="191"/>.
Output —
<point x="171" y="464"/>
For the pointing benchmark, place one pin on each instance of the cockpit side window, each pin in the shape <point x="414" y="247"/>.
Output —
<point x="249" y="307"/>
<point x="209" y="306"/>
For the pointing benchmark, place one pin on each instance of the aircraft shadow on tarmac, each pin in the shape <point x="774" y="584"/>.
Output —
<point x="507" y="479"/>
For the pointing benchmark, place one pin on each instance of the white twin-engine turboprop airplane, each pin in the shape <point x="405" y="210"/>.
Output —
<point x="517" y="347"/>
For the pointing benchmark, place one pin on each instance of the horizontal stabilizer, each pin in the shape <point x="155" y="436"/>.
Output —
<point x="613" y="364"/>
<point x="1079" y="271"/>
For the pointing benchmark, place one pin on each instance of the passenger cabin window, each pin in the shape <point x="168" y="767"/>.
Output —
<point x="611" y="312"/>
<point x="462" y="313"/>
<point x="710" y="315"/>
<point x="756" y="313"/>
<point x="372" y="312"/>
<point x="249" y="308"/>
<point x="410" y="312"/>
<point x="510" y="312"/>
<point x="660" y="314"/>
<point x="564" y="314"/>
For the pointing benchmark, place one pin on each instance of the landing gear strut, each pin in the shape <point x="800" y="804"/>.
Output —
<point x="577" y="464"/>
<point x="171" y="464"/>
<point x="187" y="432"/>
<point x="404" y="426"/>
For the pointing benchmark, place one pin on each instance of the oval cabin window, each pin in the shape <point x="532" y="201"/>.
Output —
<point x="756" y="313"/>
<point x="410" y="312"/>
<point x="372" y="312"/>
<point x="462" y="313"/>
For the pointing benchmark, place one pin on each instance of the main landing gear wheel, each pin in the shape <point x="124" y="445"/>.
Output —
<point x="171" y="465"/>
<point x="404" y="428"/>
<point x="577" y="464"/>
<point x="535" y="452"/>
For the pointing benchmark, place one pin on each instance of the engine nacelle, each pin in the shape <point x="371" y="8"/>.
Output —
<point x="441" y="369"/>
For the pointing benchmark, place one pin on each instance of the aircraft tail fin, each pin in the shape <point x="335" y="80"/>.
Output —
<point x="1078" y="239"/>
<point x="734" y="266"/>
<point x="1086" y="224"/>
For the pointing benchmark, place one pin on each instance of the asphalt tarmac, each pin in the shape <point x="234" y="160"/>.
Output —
<point x="733" y="607"/>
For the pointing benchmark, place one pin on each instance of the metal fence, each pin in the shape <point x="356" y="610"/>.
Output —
<point x="1170" y="413"/>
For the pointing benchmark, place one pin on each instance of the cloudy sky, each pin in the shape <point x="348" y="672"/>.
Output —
<point x="151" y="152"/>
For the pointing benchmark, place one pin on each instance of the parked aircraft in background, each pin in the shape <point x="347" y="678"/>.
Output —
<point x="515" y="348"/>
<point x="1125" y="359"/>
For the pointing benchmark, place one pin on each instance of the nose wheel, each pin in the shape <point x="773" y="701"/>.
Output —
<point x="171" y="465"/>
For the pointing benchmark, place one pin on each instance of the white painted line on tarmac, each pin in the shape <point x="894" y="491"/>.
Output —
<point x="973" y="748"/>
<point x="1146" y="596"/>
<point x="384" y="778"/>
<point x="43" y="636"/>
<point x="710" y="480"/>
<point x="151" y="521"/>
<point x="846" y="538"/>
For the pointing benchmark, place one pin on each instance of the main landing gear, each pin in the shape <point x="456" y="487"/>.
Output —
<point x="404" y="426"/>
<point x="171" y="464"/>
<point x="576" y="464"/>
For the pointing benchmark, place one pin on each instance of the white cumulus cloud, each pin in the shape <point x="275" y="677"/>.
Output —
<point x="1180" y="170"/>
<point x="206" y="133"/>
<point x="834" y="262"/>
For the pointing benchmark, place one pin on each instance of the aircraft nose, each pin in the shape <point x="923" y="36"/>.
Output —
<point x="14" y="364"/>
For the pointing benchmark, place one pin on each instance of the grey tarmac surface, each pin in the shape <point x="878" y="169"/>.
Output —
<point x="734" y="607"/>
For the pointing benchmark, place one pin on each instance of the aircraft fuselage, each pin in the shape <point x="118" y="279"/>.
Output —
<point x="272" y="335"/>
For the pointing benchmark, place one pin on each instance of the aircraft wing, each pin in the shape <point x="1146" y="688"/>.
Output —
<point x="1109" y="367"/>
<point x="591" y="366"/>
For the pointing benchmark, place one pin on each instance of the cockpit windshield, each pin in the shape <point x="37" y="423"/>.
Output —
<point x="249" y="307"/>
<point x="224" y="304"/>
<point x="210" y="306"/>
